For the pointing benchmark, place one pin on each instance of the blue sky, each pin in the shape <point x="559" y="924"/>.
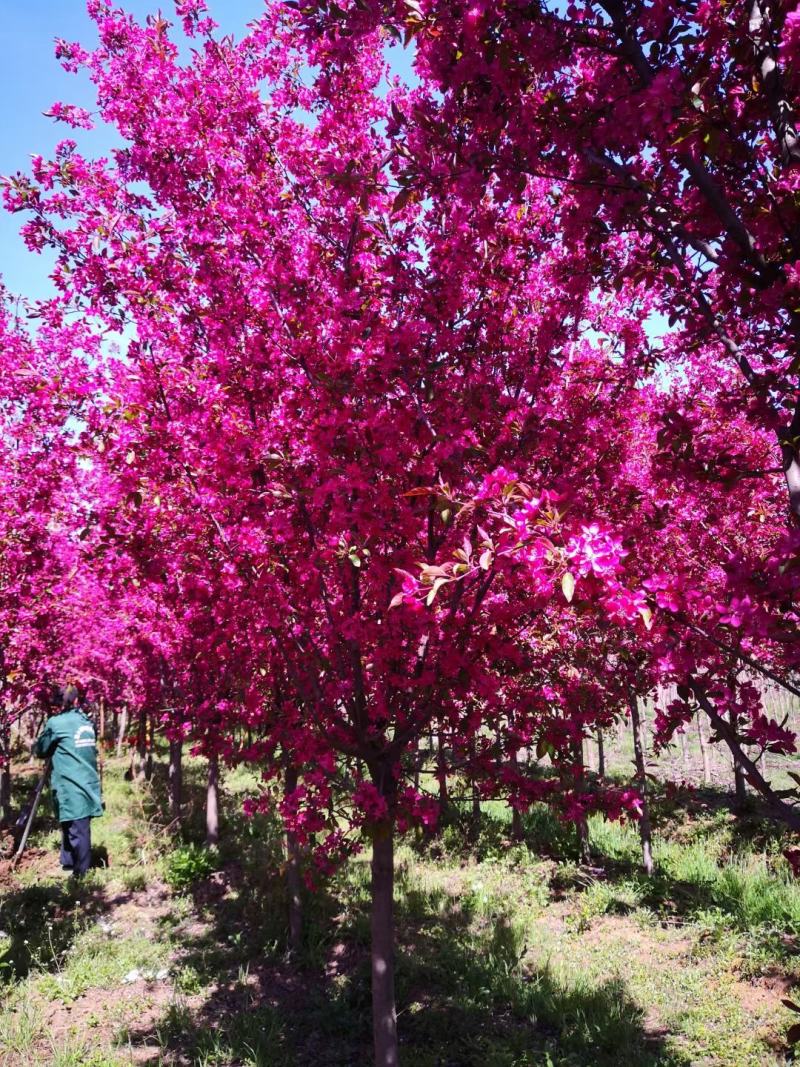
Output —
<point x="31" y="80"/>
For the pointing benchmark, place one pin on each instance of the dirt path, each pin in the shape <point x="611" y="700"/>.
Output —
<point x="139" y="1000"/>
<point x="502" y="961"/>
<point x="92" y="963"/>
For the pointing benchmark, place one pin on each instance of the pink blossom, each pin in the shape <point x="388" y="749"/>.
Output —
<point x="75" y="116"/>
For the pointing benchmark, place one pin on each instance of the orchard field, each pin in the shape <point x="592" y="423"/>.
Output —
<point x="400" y="494"/>
<point x="510" y="951"/>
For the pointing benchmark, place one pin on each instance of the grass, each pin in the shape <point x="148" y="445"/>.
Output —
<point x="253" y="1037"/>
<point x="188" y="864"/>
<point x="100" y="960"/>
<point x="704" y="872"/>
<point x="75" y="1051"/>
<point x="509" y="953"/>
<point x="21" y="1025"/>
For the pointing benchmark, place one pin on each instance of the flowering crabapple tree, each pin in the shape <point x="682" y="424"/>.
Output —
<point x="311" y="351"/>
<point x="673" y="125"/>
<point x="667" y="137"/>
<point x="45" y="382"/>
<point x="381" y="455"/>
<point x="700" y="623"/>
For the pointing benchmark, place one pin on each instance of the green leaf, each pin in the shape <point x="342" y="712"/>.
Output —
<point x="568" y="586"/>
<point x="437" y="585"/>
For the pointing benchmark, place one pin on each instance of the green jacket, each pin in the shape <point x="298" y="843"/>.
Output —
<point x="69" y="740"/>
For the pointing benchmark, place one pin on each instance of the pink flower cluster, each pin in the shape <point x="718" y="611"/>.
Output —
<point x="595" y="551"/>
<point x="72" y="115"/>
<point x="368" y="803"/>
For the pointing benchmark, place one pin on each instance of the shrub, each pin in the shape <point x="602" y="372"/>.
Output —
<point x="190" y="863"/>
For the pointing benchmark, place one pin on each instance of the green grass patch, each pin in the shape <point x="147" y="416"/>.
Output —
<point x="189" y="863"/>
<point x="510" y="953"/>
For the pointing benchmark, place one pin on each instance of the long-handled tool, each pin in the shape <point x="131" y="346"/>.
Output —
<point x="34" y="804"/>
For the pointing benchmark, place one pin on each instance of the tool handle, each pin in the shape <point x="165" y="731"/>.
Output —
<point x="34" y="805"/>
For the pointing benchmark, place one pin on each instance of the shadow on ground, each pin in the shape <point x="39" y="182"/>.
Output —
<point x="41" y="922"/>
<point x="692" y="820"/>
<point x="464" y="997"/>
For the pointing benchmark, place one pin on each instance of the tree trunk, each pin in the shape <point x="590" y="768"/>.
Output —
<point x="384" y="1015"/>
<point x="293" y="878"/>
<point x="517" y="832"/>
<point x="684" y="751"/>
<point x="476" y="806"/>
<point x="102" y="721"/>
<point x="704" y="752"/>
<point x="6" y="814"/>
<point x="175" y="775"/>
<point x="441" y="770"/>
<point x="762" y="764"/>
<point x="780" y="809"/>
<point x="5" y="776"/>
<point x="588" y="754"/>
<point x="582" y="835"/>
<point x="148" y="763"/>
<point x="517" y="829"/>
<point x="141" y="747"/>
<point x="601" y="754"/>
<point x="212" y="802"/>
<point x="739" y="784"/>
<point x="123" y="729"/>
<point x="645" y="831"/>
<point x="582" y="824"/>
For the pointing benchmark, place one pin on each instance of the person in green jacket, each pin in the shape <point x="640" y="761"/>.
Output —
<point x="68" y="740"/>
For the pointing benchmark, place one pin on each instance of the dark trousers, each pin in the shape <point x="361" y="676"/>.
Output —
<point x="76" y="846"/>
